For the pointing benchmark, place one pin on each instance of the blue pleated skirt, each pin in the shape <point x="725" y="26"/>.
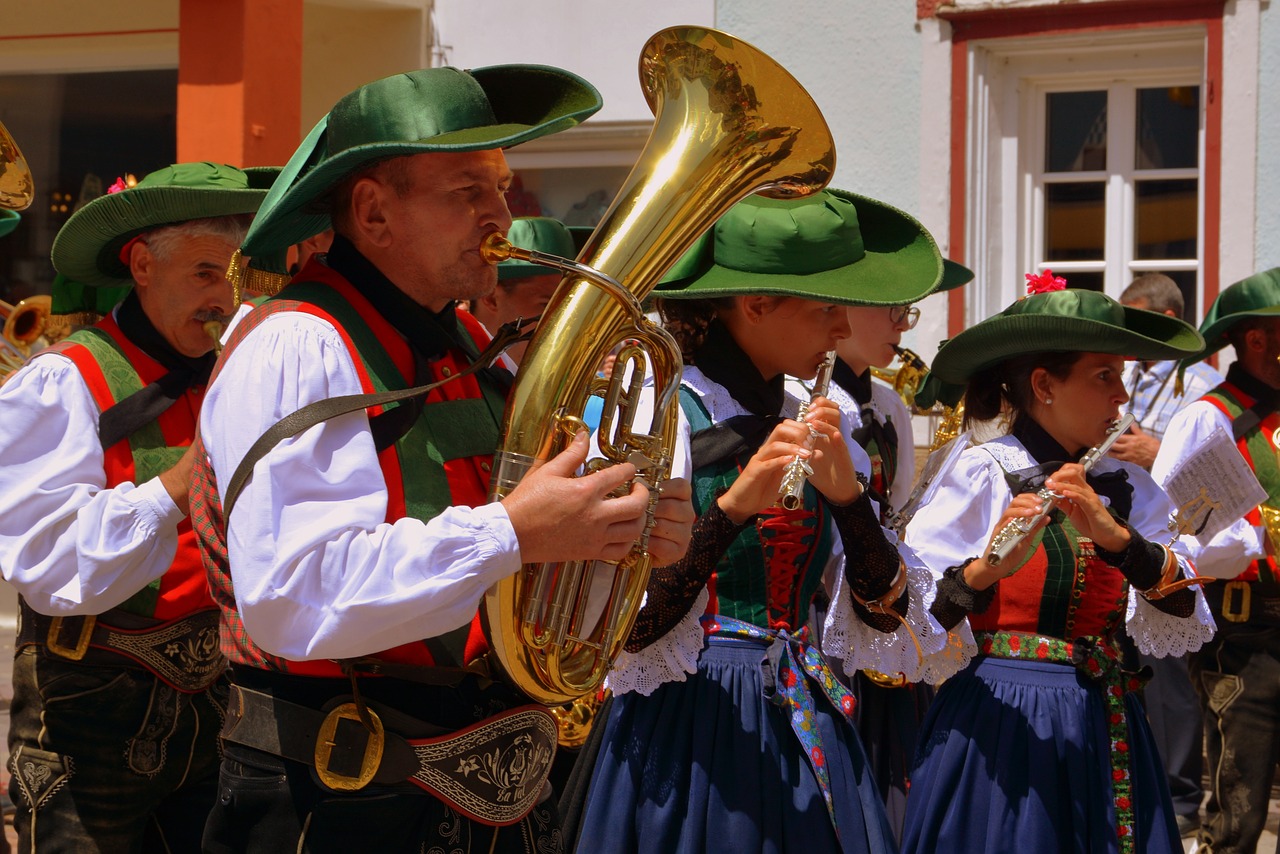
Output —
<point x="1014" y="757"/>
<point x="710" y="764"/>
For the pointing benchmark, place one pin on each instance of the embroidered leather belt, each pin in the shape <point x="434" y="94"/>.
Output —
<point x="492" y="772"/>
<point x="1243" y="602"/>
<point x="183" y="653"/>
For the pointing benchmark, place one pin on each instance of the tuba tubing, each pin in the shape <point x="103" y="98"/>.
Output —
<point x="728" y="122"/>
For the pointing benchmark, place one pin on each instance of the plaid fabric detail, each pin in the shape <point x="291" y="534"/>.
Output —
<point x="210" y="527"/>
<point x="1099" y="660"/>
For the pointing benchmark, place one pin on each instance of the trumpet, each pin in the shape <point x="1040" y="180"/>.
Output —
<point x="791" y="492"/>
<point x="1012" y="534"/>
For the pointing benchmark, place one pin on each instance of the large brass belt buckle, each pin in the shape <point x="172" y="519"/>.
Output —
<point x="53" y="642"/>
<point x="326" y="740"/>
<point x="1229" y="613"/>
<point x="884" y="680"/>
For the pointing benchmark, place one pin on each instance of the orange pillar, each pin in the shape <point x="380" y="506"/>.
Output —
<point x="239" y="81"/>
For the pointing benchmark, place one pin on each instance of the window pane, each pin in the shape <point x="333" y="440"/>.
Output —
<point x="1165" y="219"/>
<point x="1075" y="221"/>
<point x="79" y="133"/>
<point x="1075" y="132"/>
<point x="1168" y="128"/>
<point x="1085" y="281"/>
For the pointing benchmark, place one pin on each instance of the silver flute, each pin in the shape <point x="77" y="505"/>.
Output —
<point x="1012" y="534"/>
<point x="791" y="492"/>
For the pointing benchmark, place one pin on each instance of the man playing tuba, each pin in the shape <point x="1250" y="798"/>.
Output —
<point x="350" y="567"/>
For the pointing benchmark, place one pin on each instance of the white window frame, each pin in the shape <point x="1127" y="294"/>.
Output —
<point x="1120" y="177"/>
<point x="1007" y="81"/>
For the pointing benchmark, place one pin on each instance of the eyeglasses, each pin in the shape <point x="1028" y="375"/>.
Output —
<point x="907" y="315"/>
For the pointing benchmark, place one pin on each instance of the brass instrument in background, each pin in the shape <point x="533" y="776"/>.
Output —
<point x="906" y="378"/>
<point x="906" y="381"/>
<point x="17" y="190"/>
<point x="28" y="328"/>
<point x="728" y="122"/>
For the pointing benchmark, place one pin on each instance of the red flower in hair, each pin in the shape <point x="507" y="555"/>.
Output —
<point x="1044" y="283"/>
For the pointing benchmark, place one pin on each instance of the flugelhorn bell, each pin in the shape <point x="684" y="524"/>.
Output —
<point x="728" y="122"/>
<point x="17" y="190"/>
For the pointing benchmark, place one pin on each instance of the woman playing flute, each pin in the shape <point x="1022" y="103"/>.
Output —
<point x="728" y="732"/>
<point x="1040" y="743"/>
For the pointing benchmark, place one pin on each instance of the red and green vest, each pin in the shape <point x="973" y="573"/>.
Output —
<point x="443" y="460"/>
<point x="114" y="368"/>
<point x="1258" y="448"/>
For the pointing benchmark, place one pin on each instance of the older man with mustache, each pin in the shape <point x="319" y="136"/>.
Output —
<point x="118" y="681"/>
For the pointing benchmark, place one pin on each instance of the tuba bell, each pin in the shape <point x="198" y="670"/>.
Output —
<point x="728" y="122"/>
<point x="17" y="191"/>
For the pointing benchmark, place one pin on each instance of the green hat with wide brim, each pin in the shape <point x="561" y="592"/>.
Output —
<point x="1256" y="296"/>
<point x="834" y="246"/>
<point x="1063" y="321"/>
<point x="541" y="234"/>
<point x="418" y="112"/>
<point x="954" y="275"/>
<point x="87" y="248"/>
<point x="8" y="221"/>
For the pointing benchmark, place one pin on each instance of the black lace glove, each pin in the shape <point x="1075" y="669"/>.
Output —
<point x="956" y="599"/>
<point x="871" y="563"/>
<point x="672" y="589"/>
<point x="1142" y="563"/>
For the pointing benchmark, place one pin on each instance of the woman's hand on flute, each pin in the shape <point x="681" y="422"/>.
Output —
<point x="757" y="486"/>
<point x="980" y="574"/>
<point x="833" y="472"/>
<point x="1085" y="509"/>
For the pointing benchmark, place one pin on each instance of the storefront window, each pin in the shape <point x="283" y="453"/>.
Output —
<point x="79" y="132"/>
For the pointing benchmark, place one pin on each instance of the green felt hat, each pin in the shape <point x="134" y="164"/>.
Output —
<point x="1062" y="321"/>
<point x="541" y="234"/>
<point x="954" y="275"/>
<point x="82" y="304"/>
<point x="87" y="248"/>
<point x="8" y="221"/>
<point x="1256" y="296"/>
<point x="430" y="110"/>
<point x="834" y="246"/>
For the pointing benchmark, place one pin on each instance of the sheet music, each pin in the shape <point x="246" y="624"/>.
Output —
<point x="1213" y="487"/>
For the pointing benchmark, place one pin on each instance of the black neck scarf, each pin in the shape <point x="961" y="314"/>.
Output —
<point x="150" y="402"/>
<point x="1050" y="456"/>
<point x="722" y="361"/>
<point x="429" y="334"/>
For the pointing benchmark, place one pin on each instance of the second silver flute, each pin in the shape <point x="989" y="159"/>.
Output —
<point x="791" y="492"/>
<point x="1012" y="534"/>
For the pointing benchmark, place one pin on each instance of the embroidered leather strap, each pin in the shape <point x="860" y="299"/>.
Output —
<point x="492" y="771"/>
<point x="182" y="653"/>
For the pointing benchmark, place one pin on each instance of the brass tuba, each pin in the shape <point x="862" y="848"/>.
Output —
<point x="728" y="122"/>
<point x="17" y="191"/>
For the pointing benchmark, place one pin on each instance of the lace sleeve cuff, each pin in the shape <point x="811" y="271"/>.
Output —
<point x="956" y="599"/>
<point x="1158" y="633"/>
<point x="671" y="658"/>
<point x="924" y="652"/>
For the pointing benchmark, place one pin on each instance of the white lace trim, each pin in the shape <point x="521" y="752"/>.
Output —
<point x="671" y="658"/>
<point x="859" y="646"/>
<point x="1160" y="635"/>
